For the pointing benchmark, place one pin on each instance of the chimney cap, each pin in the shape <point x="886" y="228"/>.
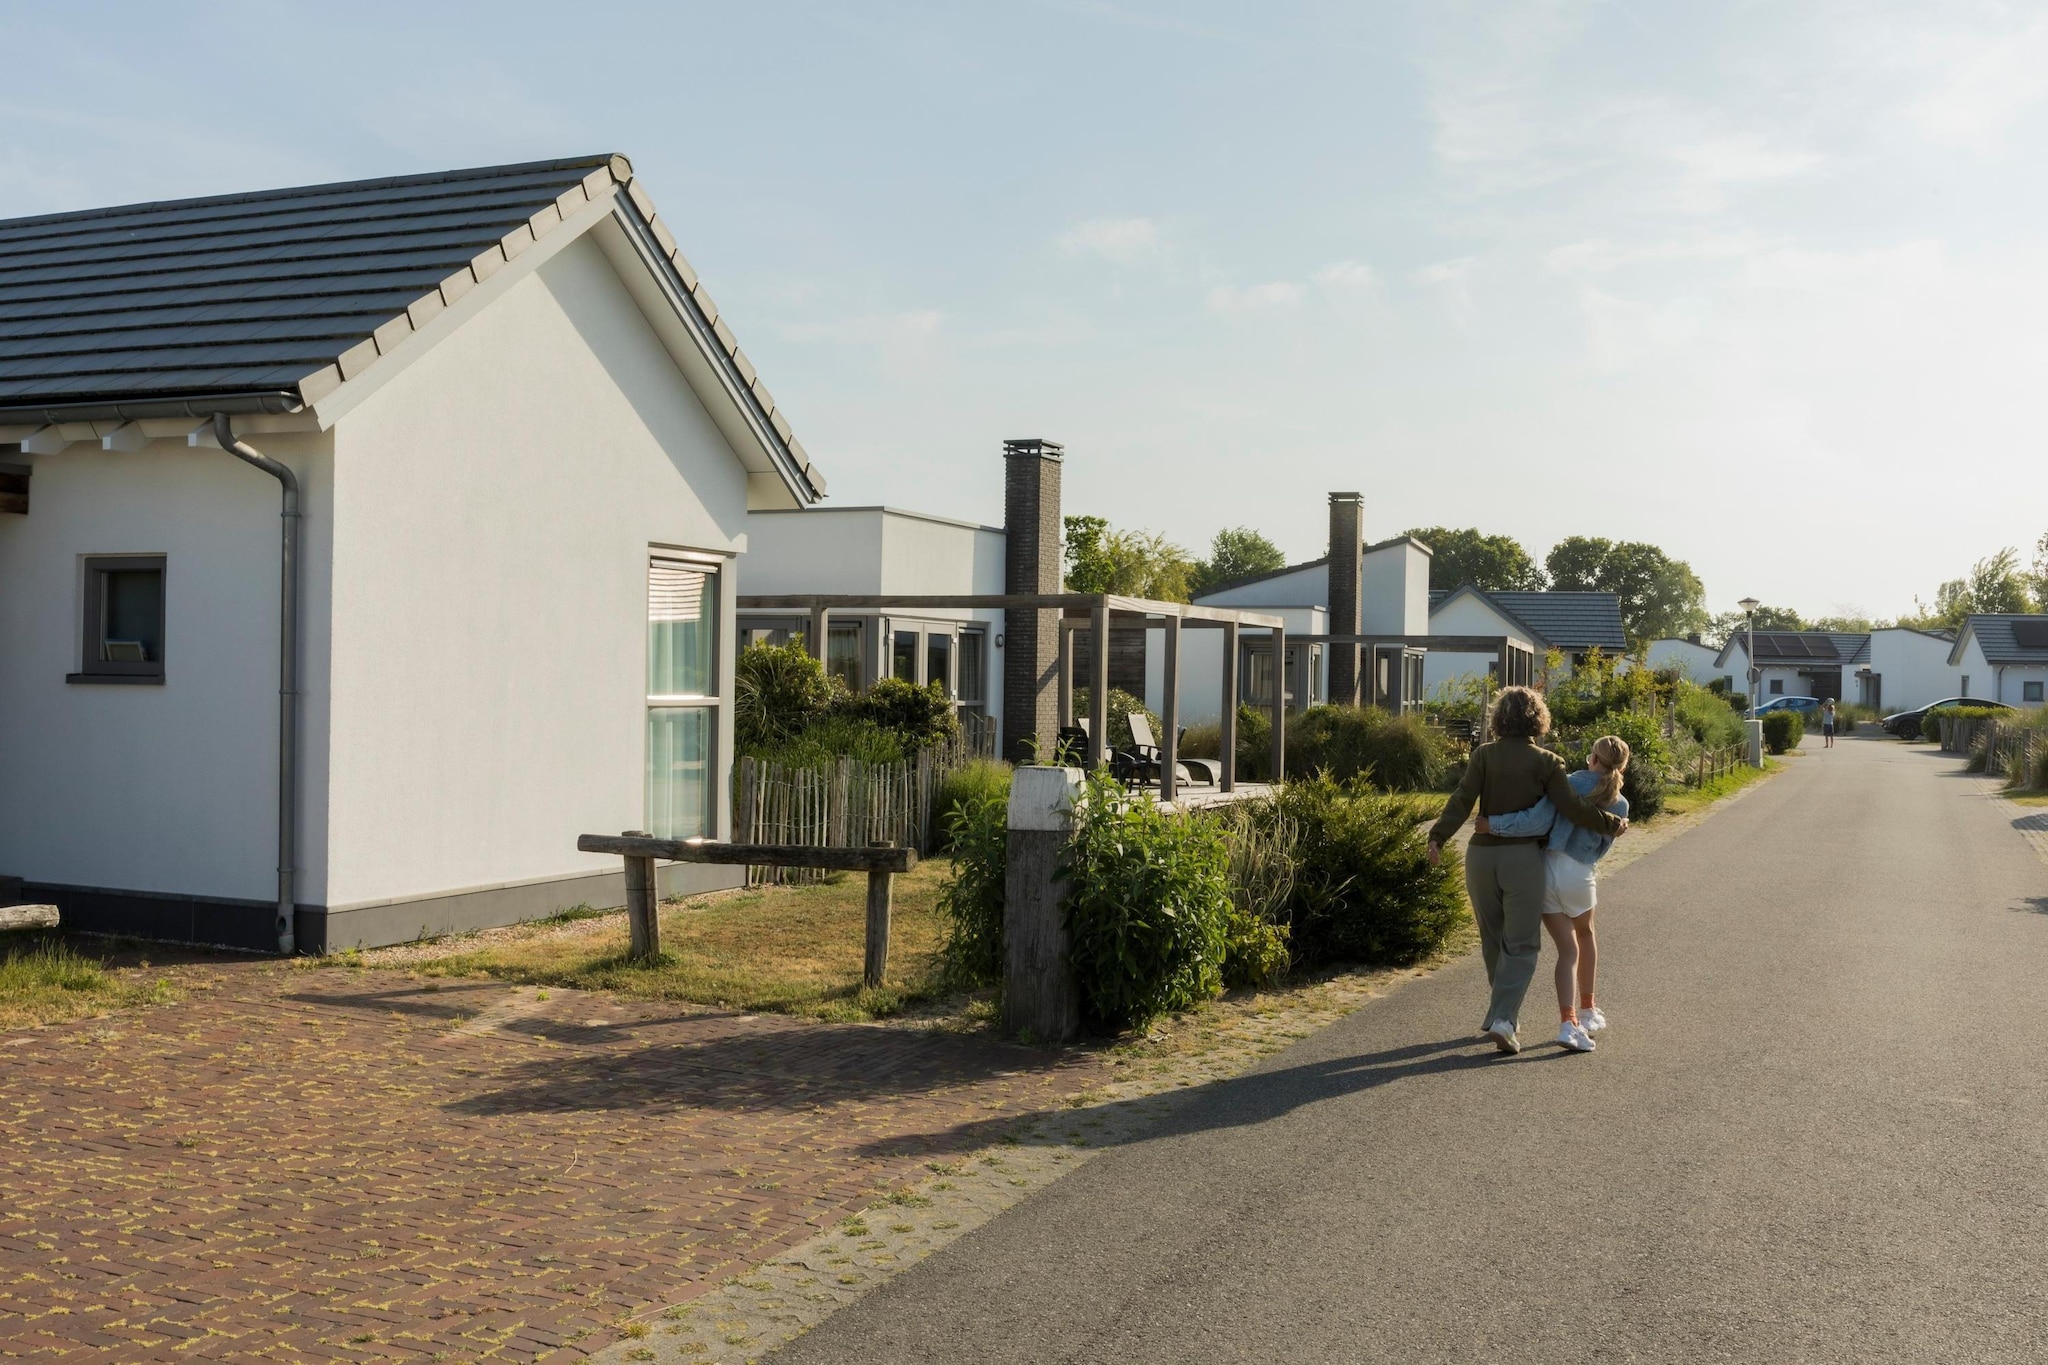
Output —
<point x="1347" y="497"/>
<point x="1034" y="446"/>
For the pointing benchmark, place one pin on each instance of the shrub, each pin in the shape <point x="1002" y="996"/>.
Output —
<point x="1148" y="899"/>
<point x="1121" y="705"/>
<point x="1364" y="889"/>
<point x="1400" y="753"/>
<point x="971" y="900"/>
<point x="1783" y="730"/>
<point x="778" y="691"/>
<point x="1262" y="844"/>
<point x="1649" y="759"/>
<point x="918" y="716"/>
<point x="1254" y="743"/>
<point x="1710" y="717"/>
<point x="834" y="737"/>
<point x="982" y="779"/>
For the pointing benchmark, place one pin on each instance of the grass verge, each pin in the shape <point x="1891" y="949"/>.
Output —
<point x="1685" y="800"/>
<point x="46" y="981"/>
<point x="785" y="949"/>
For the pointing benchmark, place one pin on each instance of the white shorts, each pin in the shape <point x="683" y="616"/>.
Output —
<point x="1567" y="885"/>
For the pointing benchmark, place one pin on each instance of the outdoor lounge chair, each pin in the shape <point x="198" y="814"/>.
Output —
<point x="1146" y="749"/>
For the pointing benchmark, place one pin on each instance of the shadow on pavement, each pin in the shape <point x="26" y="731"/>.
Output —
<point x="1243" y="1101"/>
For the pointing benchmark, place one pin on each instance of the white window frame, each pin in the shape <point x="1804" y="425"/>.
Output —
<point x="713" y="566"/>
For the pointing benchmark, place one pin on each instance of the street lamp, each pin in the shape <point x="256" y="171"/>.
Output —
<point x="1749" y="606"/>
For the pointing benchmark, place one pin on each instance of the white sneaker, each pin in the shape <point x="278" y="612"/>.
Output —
<point x="1573" y="1038"/>
<point x="1592" y="1020"/>
<point x="1503" y="1034"/>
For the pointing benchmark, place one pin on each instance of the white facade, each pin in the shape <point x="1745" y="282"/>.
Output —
<point x="884" y="550"/>
<point x="480" y="512"/>
<point x="2015" y="684"/>
<point x="1691" y="659"/>
<point x="1910" y="668"/>
<point x="1468" y="614"/>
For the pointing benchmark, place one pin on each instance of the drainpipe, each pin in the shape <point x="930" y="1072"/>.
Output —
<point x="287" y="678"/>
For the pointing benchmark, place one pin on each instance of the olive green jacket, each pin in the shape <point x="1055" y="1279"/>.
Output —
<point x="1512" y="774"/>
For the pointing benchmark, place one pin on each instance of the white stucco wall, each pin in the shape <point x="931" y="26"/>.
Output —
<point x="1201" y="671"/>
<point x="1466" y="616"/>
<point x="495" y="506"/>
<point x="1394" y="590"/>
<point x="1692" y="661"/>
<point x="819" y="550"/>
<point x="1914" y="668"/>
<point x="166" y="788"/>
<point x="1309" y="586"/>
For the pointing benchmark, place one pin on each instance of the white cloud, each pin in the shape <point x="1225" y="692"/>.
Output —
<point x="1258" y="298"/>
<point x="1984" y="85"/>
<point x="1121" y="240"/>
<point x="1346" y="275"/>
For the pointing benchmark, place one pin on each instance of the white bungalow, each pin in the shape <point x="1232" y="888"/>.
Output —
<point x="2002" y="658"/>
<point x="523" y="446"/>
<point x="1690" y="658"/>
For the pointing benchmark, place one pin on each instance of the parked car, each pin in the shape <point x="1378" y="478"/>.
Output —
<point x="1805" y="706"/>
<point x="1906" y="724"/>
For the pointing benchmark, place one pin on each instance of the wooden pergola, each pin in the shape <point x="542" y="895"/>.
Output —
<point x="1092" y="612"/>
<point x="1514" y="663"/>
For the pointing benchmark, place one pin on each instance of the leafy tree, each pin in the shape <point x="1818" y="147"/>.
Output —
<point x="1659" y="595"/>
<point x="1995" y="583"/>
<point x="2041" y="573"/>
<point x="1238" y="552"/>
<point x="1100" y="558"/>
<point x="1492" y="563"/>
<point x="1767" y="618"/>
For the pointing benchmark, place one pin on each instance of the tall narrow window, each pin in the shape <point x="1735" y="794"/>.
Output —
<point x="124" y="620"/>
<point x="973" y="669"/>
<point x="843" y="653"/>
<point x="682" y="700"/>
<point x="938" y="661"/>
<point x="903" y="657"/>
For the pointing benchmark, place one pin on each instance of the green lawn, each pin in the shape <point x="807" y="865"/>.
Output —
<point x="788" y="949"/>
<point x="1682" y="800"/>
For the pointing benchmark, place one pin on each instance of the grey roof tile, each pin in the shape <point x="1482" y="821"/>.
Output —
<point x="2007" y="639"/>
<point x="1567" y="620"/>
<point x="245" y="292"/>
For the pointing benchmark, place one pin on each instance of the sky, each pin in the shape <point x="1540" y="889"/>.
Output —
<point x="1763" y="284"/>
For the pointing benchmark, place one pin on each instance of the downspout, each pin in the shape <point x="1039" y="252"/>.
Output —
<point x="287" y="679"/>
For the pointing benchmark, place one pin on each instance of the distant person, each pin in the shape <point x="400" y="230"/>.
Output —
<point x="1570" y="889"/>
<point x="1827" y="723"/>
<point x="1504" y="875"/>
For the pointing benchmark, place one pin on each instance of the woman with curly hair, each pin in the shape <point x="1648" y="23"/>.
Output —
<point x="1504" y="875"/>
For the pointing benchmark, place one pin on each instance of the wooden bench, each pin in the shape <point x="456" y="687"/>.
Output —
<point x="640" y="850"/>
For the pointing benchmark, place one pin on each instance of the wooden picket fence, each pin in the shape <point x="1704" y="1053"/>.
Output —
<point x="2010" y="750"/>
<point x="842" y="804"/>
<point x="1709" y="764"/>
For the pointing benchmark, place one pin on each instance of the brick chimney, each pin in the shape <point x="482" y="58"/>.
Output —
<point x="1031" y="564"/>
<point x="1346" y="560"/>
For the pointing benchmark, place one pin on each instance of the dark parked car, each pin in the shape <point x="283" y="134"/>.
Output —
<point x="1805" y="706"/>
<point x="1906" y="724"/>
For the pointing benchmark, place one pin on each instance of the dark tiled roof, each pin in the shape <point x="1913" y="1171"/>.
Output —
<point x="1567" y="620"/>
<point x="246" y="293"/>
<point x="1824" y="648"/>
<point x="2011" y="639"/>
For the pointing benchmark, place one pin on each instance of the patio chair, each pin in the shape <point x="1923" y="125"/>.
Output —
<point x="1145" y="748"/>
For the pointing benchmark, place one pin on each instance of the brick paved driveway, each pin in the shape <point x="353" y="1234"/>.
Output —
<point x="355" y="1165"/>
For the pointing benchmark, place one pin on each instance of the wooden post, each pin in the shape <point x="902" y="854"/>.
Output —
<point x="1229" y="756"/>
<point x="1169" y="743"/>
<point x="1041" y="999"/>
<point x="642" y="904"/>
<point x="881" y="891"/>
<point x="1066" y="677"/>
<point x="1279" y="703"/>
<point x="1098" y="690"/>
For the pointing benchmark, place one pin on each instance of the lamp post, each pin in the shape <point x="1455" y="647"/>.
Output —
<point x="1753" y="727"/>
<point x="1749" y="606"/>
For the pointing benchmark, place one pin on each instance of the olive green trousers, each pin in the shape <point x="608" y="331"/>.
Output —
<point x="1505" y="882"/>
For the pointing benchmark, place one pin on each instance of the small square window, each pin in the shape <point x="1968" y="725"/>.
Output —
<point x="1777" y="687"/>
<point x="2030" y="691"/>
<point x="123" y="636"/>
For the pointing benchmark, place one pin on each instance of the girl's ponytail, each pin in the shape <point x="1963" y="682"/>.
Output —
<point x="1611" y="750"/>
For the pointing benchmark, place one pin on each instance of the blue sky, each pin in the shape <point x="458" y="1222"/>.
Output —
<point x="1546" y="269"/>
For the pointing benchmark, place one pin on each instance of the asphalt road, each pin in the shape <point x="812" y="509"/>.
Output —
<point x="1817" y="1131"/>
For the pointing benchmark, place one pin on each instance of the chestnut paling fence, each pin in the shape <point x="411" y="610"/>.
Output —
<point x="842" y="804"/>
<point x="2009" y="750"/>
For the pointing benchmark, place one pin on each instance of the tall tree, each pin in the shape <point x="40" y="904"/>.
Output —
<point x="1100" y="558"/>
<point x="2041" y="573"/>
<point x="1659" y="595"/>
<point x="1238" y="552"/>
<point x="1767" y="618"/>
<point x="1467" y="555"/>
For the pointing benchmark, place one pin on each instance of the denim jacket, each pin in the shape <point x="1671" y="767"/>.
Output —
<point x="1565" y="837"/>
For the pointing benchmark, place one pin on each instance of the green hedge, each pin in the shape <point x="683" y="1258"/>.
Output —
<point x="1396" y="752"/>
<point x="1783" y="730"/>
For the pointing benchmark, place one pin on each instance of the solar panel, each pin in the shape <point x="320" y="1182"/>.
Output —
<point x="2031" y="634"/>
